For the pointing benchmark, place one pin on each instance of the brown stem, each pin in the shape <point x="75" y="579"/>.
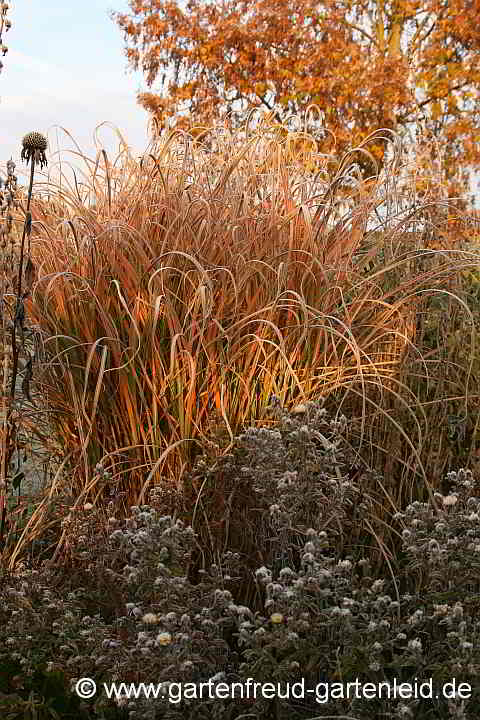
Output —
<point x="15" y="353"/>
<point x="19" y="288"/>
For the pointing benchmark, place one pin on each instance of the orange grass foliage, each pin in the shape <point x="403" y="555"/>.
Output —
<point x="195" y="283"/>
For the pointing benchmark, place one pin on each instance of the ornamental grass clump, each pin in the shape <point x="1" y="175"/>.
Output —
<point x="278" y="554"/>
<point x="197" y="281"/>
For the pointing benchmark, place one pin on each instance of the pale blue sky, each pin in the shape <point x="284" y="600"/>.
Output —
<point x="66" y="66"/>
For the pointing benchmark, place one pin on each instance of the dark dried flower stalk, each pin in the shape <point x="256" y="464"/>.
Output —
<point x="34" y="145"/>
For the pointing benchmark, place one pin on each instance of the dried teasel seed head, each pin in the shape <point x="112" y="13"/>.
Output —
<point x="34" y="145"/>
<point x="35" y="141"/>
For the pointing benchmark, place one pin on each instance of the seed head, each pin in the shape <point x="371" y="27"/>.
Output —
<point x="150" y="619"/>
<point x="163" y="638"/>
<point x="34" y="145"/>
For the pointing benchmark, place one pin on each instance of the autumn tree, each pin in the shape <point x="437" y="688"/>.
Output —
<point x="366" y="65"/>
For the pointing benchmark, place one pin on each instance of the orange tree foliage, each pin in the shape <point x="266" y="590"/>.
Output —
<point x="366" y="65"/>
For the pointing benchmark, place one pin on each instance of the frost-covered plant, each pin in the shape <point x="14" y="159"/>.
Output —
<point x="444" y="547"/>
<point x="279" y="482"/>
<point x="325" y="619"/>
<point x="332" y="622"/>
<point x="167" y="630"/>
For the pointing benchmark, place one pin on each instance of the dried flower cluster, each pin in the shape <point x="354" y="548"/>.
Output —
<point x="34" y="145"/>
<point x="4" y="25"/>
